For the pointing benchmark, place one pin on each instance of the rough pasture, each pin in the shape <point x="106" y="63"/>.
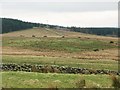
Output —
<point x="58" y="51"/>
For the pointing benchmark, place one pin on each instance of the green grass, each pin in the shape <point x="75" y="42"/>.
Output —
<point x="94" y="64"/>
<point x="57" y="44"/>
<point x="50" y="80"/>
<point x="47" y="80"/>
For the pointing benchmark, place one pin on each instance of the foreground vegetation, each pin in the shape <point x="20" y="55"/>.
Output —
<point x="40" y="80"/>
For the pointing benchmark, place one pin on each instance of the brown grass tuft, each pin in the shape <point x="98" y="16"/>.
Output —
<point x="80" y="83"/>
<point x="115" y="81"/>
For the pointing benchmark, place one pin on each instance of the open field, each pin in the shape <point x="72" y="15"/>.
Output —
<point x="39" y="80"/>
<point x="60" y="61"/>
<point x="57" y="44"/>
<point x="49" y="47"/>
<point x="60" y="47"/>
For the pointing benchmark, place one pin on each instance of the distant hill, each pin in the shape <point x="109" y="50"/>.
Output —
<point x="98" y="31"/>
<point x="10" y="25"/>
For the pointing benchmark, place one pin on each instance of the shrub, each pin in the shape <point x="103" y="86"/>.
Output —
<point x="33" y="35"/>
<point x="111" y="42"/>
<point x="96" y="50"/>
<point x="44" y="36"/>
<point x="88" y="38"/>
<point x="63" y="36"/>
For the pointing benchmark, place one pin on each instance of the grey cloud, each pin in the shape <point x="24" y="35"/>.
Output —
<point x="60" y="6"/>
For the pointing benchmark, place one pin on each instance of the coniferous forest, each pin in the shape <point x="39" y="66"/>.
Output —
<point x="10" y="25"/>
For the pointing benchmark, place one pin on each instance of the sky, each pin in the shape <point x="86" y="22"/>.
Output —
<point x="65" y="12"/>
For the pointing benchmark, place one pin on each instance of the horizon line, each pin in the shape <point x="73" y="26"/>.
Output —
<point x="59" y="25"/>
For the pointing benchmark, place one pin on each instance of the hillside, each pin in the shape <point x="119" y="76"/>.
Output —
<point x="42" y="56"/>
<point x="44" y="32"/>
<point x="59" y="43"/>
<point x="10" y="25"/>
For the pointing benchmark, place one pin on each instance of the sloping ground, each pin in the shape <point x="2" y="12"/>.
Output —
<point x="111" y="54"/>
<point x="41" y="32"/>
<point x="38" y="32"/>
<point x="104" y="54"/>
<point x="20" y="47"/>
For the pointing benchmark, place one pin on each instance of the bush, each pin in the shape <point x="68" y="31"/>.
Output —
<point x="33" y="35"/>
<point x="63" y="36"/>
<point x="87" y="38"/>
<point x="96" y="50"/>
<point x="44" y="36"/>
<point x="111" y="42"/>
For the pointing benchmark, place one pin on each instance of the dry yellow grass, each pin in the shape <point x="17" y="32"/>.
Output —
<point x="111" y="54"/>
<point x="40" y="32"/>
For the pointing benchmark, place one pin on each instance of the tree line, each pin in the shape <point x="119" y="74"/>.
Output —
<point x="10" y="25"/>
<point x="97" y="31"/>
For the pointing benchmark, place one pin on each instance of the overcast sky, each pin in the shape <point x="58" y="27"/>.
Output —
<point x="81" y="14"/>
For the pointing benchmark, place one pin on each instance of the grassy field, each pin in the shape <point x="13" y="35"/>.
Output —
<point x="57" y="44"/>
<point x="60" y="61"/>
<point x="39" y="80"/>
<point x="74" y="49"/>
